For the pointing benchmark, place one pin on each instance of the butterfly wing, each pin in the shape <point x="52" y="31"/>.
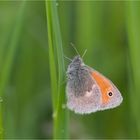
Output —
<point x="110" y="95"/>
<point x="83" y="94"/>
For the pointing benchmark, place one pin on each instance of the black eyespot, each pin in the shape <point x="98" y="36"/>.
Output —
<point x="110" y="93"/>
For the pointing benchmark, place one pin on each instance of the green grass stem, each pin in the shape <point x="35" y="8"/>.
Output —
<point x="51" y="57"/>
<point x="60" y="115"/>
<point x="133" y="22"/>
<point x="7" y="65"/>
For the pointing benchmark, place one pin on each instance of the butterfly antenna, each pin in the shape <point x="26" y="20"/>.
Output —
<point x="75" y="48"/>
<point x="67" y="58"/>
<point x="84" y="53"/>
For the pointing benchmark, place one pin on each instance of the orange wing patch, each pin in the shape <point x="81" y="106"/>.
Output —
<point x="104" y="85"/>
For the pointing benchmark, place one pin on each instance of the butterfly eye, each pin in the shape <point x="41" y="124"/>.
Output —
<point x="110" y="94"/>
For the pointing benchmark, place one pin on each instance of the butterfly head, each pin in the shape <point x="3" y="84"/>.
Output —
<point x="74" y="66"/>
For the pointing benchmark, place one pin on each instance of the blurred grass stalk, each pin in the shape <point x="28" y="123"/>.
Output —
<point x="9" y="58"/>
<point x="60" y="114"/>
<point x="133" y="27"/>
<point x="1" y="123"/>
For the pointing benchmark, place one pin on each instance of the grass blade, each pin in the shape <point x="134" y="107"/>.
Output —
<point x="51" y="58"/>
<point x="56" y="51"/>
<point x="133" y="22"/>
<point x="1" y="124"/>
<point x="6" y="69"/>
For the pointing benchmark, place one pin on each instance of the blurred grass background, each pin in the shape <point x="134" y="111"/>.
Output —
<point x="110" y="32"/>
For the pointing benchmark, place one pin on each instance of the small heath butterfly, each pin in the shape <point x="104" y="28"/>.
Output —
<point x="88" y="90"/>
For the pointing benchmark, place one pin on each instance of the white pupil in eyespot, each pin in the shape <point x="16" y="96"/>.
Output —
<point x="110" y="94"/>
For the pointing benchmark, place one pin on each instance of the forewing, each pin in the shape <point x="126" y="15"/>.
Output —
<point x="106" y="87"/>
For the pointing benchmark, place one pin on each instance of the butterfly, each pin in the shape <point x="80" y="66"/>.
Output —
<point x="88" y="90"/>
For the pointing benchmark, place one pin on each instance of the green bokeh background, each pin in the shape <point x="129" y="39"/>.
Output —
<point x="109" y="31"/>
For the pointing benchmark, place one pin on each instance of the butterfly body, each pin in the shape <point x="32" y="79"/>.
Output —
<point x="87" y="90"/>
